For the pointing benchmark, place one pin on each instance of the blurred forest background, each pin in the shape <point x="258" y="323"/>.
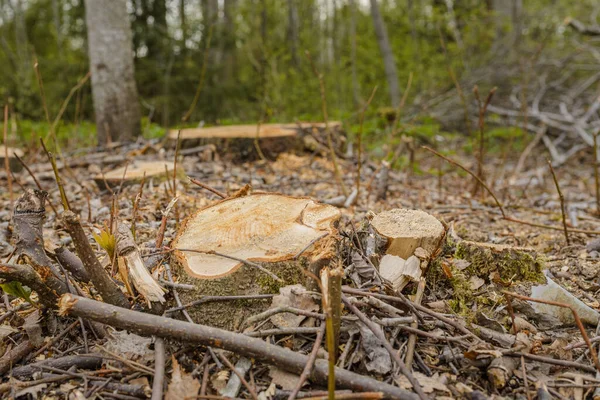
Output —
<point x="542" y="55"/>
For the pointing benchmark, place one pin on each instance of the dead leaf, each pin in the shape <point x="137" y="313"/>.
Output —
<point x="428" y="383"/>
<point x="32" y="390"/>
<point x="292" y="296"/>
<point x="380" y="361"/>
<point x="182" y="385"/>
<point x="130" y="346"/>
<point x="283" y="379"/>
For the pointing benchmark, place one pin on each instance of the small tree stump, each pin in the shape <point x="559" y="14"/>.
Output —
<point x="405" y="230"/>
<point x="214" y="246"/>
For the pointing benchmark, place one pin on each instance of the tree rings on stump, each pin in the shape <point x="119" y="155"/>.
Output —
<point x="213" y="245"/>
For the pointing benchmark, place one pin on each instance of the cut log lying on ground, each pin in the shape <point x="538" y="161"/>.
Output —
<point x="147" y="324"/>
<point x="239" y="140"/>
<point x="217" y="247"/>
<point x="13" y="162"/>
<point x="410" y="237"/>
<point x="134" y="173"/>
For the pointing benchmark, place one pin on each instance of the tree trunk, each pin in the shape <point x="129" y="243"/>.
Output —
<point x="111" y="62"/>
<point x="386" y="53"/>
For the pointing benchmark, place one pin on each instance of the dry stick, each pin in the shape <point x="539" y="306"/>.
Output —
<point x="482" y="110"/>
<point x="499" y="205"/>
<point x="240" y="376"/>
<point x="336" y="168"/>
<point x="562" y="202"/>
<point x="38" y="74"/>
<point x="48" y="291"/>
<point x="108" y="289"/>
<point x="351" y="396"/>
<point x="412" y="338"/>
<point x="309" y="365"/>
<point x="65" y="103"/>
<point x="397" y="115"/>
<point x="202" y="75"/>
<point x="246" y="262"/>
<point x="61" y="189"/>
<point x="331" y="286"/>
<point x="417" y="307"/>
<point x="597" y="173"/>
<point x="136" y="205"/>
<point x="147" y="324"/>
<point x="6" y="161"/>
<point x="209" y="188"/>
<point x="379" y="334"/>
<point x="159" y="369"/>
<point x="359" y="140"/>
<point x="177" y="146"/>
<point x="476" y="177"/>
<point x="575" y="315"/>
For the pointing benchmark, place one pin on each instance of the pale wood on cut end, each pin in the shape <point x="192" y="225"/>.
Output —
<point x="135" y="172"/>
<point x="405" y="230"/>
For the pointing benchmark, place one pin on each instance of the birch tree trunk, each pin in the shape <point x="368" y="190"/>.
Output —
<point x="111" y="62"/>
<point x="386" y="53"/>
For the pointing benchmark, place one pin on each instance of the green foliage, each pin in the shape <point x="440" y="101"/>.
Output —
<point x="107" y="241"/>
<point x="18" y="290"/>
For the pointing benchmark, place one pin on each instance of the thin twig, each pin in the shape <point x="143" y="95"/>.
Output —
<point x="562" y="202"/>
<point x="359" y="143"/>
<point x="6" y="160"/>
<point x="209" y="188"/>
<point x="202" y="75"/>
<point x="309" y="365"/>
<point x="575" y="316"/>
<point x="336" y="169"/>
<point x="379" y="334"/>
<point x="63" y="195"/>
<point x="226" y="361"/>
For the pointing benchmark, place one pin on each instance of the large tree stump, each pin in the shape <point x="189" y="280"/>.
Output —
<point x="215" y="246"/>
<point x="238" y="141"/>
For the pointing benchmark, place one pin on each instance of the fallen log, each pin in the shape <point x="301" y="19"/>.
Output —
<point x="134" y="172"/>
<point x="147" y="324"/>
<point x="238" y="141"/>
<point x="217" y="249"/>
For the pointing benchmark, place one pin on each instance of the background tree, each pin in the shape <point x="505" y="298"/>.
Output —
<point x="111" y="62"/>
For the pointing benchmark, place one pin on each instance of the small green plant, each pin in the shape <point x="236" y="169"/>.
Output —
<point x="106" y="240"/>
<point x="18" y="290"/>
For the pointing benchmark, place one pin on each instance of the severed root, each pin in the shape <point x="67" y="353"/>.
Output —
<point x="129" y="254"/>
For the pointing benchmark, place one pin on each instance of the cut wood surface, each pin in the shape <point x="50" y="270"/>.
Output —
<point x="134" y="174"/>
<point x="13" y="163"/>
<point x="261" y="228"/>
<point x="405" y="230"/>
<point x="247" y="131"/>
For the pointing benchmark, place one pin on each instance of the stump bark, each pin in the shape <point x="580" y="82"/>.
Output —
<point x="218" y="249"/>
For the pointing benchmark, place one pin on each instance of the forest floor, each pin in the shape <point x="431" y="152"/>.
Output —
<point x="468" y="345"/>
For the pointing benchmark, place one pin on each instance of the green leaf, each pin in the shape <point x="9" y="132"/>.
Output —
<point x="17" y="289"/>
<point x="107" y="241"/>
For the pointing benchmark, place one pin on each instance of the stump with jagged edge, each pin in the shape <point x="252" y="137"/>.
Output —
<point x="267" y="229"/>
